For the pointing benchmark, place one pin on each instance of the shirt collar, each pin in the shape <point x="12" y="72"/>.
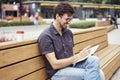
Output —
<point x="53" y="29"/>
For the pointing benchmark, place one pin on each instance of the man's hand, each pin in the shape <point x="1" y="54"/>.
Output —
<point x="83" y="53"/>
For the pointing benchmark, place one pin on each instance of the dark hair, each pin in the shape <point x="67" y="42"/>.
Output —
<point x="63" y="8"/>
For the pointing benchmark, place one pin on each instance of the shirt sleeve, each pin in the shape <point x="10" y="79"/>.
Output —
<point x="45" y="44"/>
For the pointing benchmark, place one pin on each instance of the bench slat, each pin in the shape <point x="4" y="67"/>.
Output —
<point x="105" y="24"/>
<point x="109" y="57"/>
<point x="113" y="70"/>
<point x="102" y="23"/>
<point x="20" y="69"/>
<point x="107" y="50"/>
<point x="88" y="35"/>
<point x="17" y="54"/>
<point x="10" y="44"/>
<point x="39" y="75"/>
<point x="111" y="65"/>
<point x="80" y="46"/>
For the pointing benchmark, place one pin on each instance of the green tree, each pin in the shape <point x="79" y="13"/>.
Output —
<point x="11" y="1"/>
<point x="113" y="2"/>
<point x="83" y="1"/>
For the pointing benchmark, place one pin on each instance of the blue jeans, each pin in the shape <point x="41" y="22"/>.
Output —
<point x="85" y="70"/>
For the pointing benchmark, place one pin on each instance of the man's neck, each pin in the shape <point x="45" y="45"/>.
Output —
<point x="57" y="27"/>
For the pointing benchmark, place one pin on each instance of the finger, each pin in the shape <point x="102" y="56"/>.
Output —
<point x="89" y="46"/>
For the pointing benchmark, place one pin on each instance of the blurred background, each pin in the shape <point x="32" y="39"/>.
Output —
<point x="23" y="10"/>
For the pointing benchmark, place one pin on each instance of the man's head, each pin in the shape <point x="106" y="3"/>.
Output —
<point x="63" y="13"/>
<point x="63" y="8"/>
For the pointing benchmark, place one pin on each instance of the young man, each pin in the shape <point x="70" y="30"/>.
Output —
<point x="56" y="45"/>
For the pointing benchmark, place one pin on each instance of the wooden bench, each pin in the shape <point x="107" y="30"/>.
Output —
<point x="23" y="61"/>
<point x="106" y="24"/>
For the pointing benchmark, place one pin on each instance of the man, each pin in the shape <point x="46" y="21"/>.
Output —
<point x="113" y="20"/>
<point x="56" y="45"/>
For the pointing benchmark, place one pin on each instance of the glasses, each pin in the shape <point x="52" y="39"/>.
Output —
<point x="69" y="19"/>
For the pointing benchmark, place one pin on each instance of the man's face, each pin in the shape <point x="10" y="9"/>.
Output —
<point x="65" y="20"/>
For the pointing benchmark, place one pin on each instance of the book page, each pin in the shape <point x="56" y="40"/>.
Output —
<point x="92" y="51"/>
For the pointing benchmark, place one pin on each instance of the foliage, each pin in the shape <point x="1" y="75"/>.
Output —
<point x="84" y="1"/>
<point x="2" y="24"/>
<point x="113" y="2"/>
<point x="87" y="1"/>
<point x="82" y="25"/>
<point x="11" y="1"/>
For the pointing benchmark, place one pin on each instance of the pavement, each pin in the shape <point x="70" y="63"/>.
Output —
<point x="32" y="32"/>
<point x="116" y="76"/>
<point x="113" y="36"/>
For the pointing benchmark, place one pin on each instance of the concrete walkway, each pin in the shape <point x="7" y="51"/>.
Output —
<point x="116" y="76"/>
<point x="114" y="36"/>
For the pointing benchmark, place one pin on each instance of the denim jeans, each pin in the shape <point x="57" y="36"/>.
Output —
<point x="85" y="70"/>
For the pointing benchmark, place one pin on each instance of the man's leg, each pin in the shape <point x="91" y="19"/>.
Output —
<point x="102" y="76"/>
<point x="85" y="70"/>
<point x="69" y="73"/>
<point x="91" y="66"/>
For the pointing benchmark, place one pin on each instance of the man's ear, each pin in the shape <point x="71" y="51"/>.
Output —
<point x="57" y="16"/>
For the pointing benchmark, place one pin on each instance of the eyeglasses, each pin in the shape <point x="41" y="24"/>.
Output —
<point x="67" y="19"/>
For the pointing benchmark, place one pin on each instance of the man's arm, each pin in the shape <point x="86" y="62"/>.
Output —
<point x="60" y="63"/>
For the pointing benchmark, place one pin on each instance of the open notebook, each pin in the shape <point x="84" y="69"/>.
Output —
<point x="92" y="51"/>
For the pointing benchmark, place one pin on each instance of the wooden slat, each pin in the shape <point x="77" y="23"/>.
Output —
<point x="110" y="27"/>
<point x="107" y="50"/>
<point x="105" y="24"/>
<point x="16" y="54"/>
<point x="83" y="37"/>
<point x="39" y="75"/>
<point x="110" y="60"/>
<point x="78" y="47"/>
<point x="83" y="31"/>
<point x="109" y="57"/>
<point x="88" y="35"/>
<point x="5" y="45"/>
<point x="17" y="70"/>
<point x="102" y="23"/>
<point x="113" y="70"/>
<point x="102" y="45"/>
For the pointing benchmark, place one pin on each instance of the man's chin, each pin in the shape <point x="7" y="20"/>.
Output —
<point x="65" y="26"/>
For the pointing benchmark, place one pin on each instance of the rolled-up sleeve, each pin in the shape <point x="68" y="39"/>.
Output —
<point x="45" y="44"/>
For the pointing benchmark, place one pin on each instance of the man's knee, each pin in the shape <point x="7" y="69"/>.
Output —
<point x="102" y="75"/>
<point x="93" y="59"/>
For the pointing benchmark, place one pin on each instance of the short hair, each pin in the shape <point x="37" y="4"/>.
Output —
<point x="63" y="8"/>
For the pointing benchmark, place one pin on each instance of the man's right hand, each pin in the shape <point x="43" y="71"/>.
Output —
<point x="83" y="53"/>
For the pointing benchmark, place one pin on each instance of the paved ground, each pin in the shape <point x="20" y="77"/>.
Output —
<point x="34" y="31"/>
<point x="116" y="76"/>
<point x="113" y="36"/>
